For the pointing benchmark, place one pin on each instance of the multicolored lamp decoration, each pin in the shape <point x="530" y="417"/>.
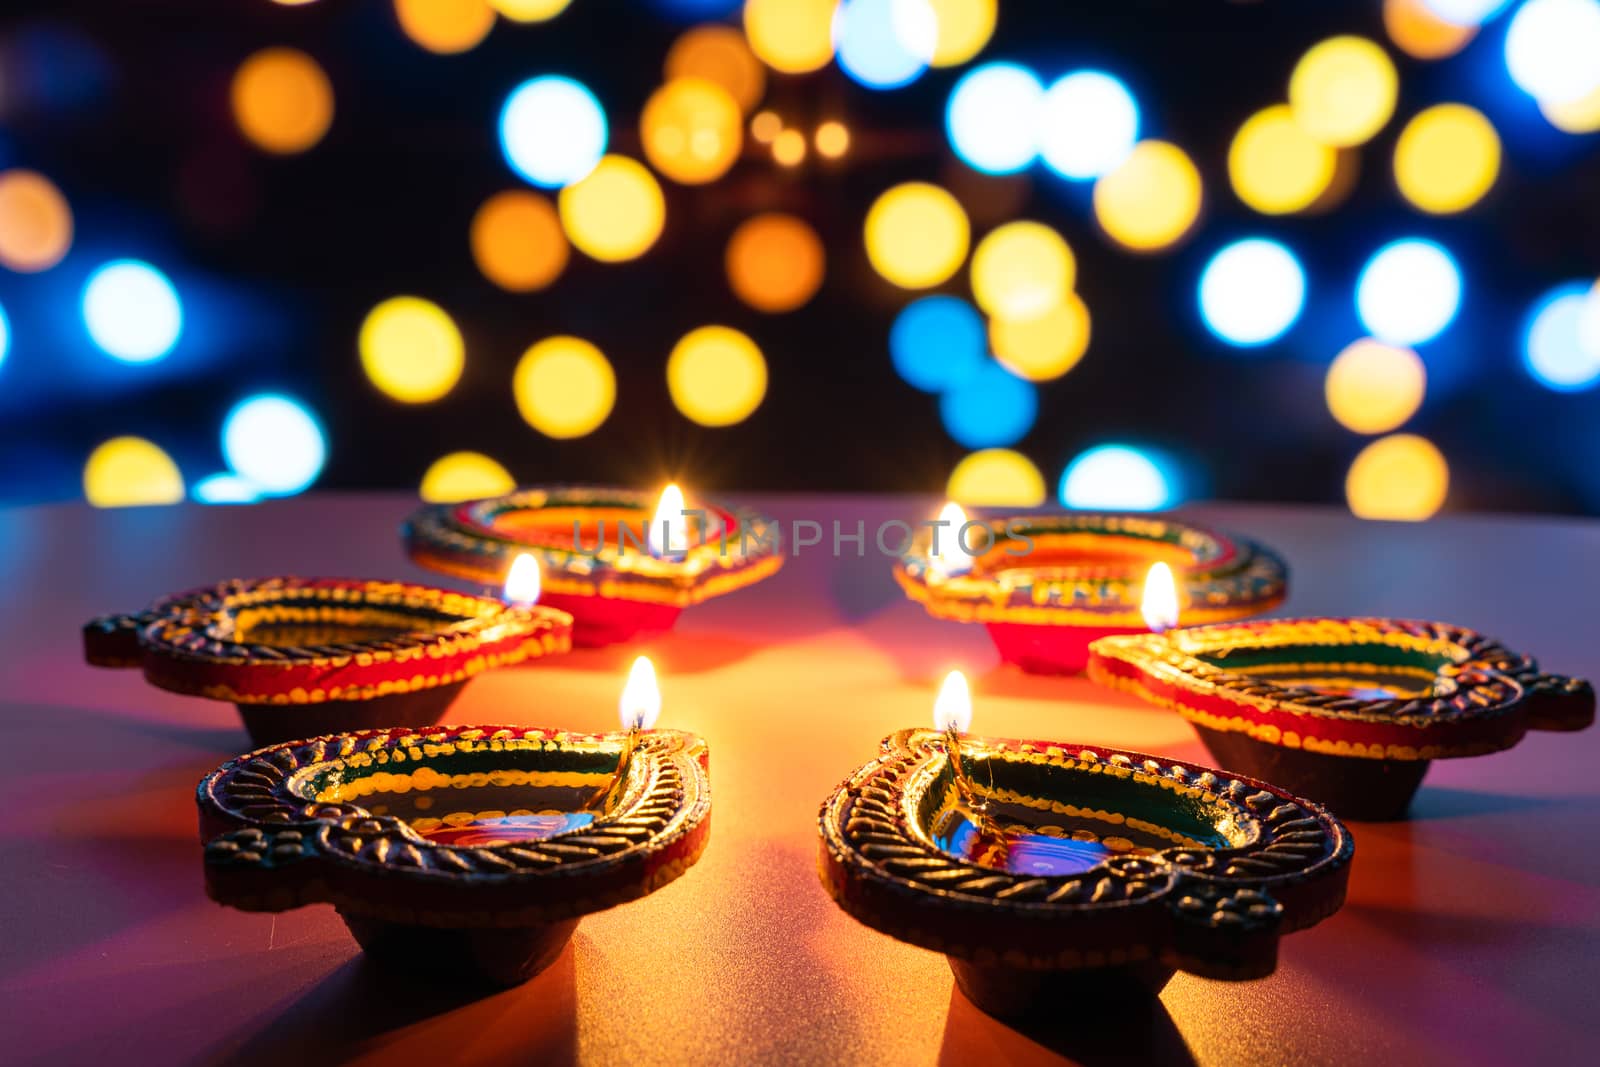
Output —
<point x="1056" y="877"/>
<point x="624" y="564"/>
<point x="308" y="656"/>
<point x="462" y="852"/>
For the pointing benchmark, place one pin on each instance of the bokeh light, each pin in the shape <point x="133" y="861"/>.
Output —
<point x="993" y="117"/>
<point x="460" y="476"/>
<point x="996" y="478"/>
<point x="132" y="311"/>
<point x="1417" y="31"/>
<point x="1373" y="387"/>
<point x="35" y="222"/>
<point x="552" y="131"/>
<point x="1447" y="158"/>
<point x="517" y="241"/>
<point x="937" y="343"/>
<point x="445" y="26"/>
<point x="765" y="127"/>
<point x="529" y="10"/>
<point x="692" y="130"/>
<point x="616" y="213"/>
<point x="1573" y="116"/>
<point x="1088" y="124"/>
<point x="917" y="235"/>
<point x="792" y="36"/>
<point x="1021" y="270"/>
<point x="719" y="54"/>
<point x="1044" y="347"/>
<point x="833" y="139"/>
<point x="1552" y="48"/>
<point x="225" y="489"/>
<point x="789" y="148"/>
<point x="1402" y="477"/>
<point x="689" y="10"/>
<point x="774" y="262"/>
<point x="1465" y="12"/>
<point x="964" y="27"/>
<point x="717" y="376"/>
<point x="1251" y="292"/>
<point x="282" y="100"/>
<point x="411" y="349"/>
<point x="564" y="387"/>
<point x="273" y="442"/>
<point x="5" y="335"/>
<point x="1116" y="478"/>
<point x="1343" y="90"/>
<point x="1408" y="292"/>
<point x="1151" y="200"/>
<point x="884" y="44"/>
<point x="1275" y="166"/>
<point x="131" y="472"/>
<point x="990" y="409"/>
<point x="1556" y="348"/>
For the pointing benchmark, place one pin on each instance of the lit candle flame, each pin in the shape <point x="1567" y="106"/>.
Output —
<point x="640" y="705"/>
<point x="953" y="708"/>
<point x="669" y="527"/>
<point x="523" y="581"/>
<point x="1159" y="605"/>
<point x="951" y="558"/>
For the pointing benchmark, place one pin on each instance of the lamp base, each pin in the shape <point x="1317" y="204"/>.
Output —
<point x="489" y="956"/>
<point x="598" y="621"/>
<point x="1044" y="649"/>
<point x="1020" y="993"/>
<point x="1366" y="790"/>
<point x="272" y="724"/>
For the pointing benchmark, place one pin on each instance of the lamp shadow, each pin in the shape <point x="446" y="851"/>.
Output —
<point x="1139" y="1030"/>
<point x="1446" y="802"/>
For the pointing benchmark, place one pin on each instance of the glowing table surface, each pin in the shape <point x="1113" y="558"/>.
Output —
<point x="1471" y="934"/>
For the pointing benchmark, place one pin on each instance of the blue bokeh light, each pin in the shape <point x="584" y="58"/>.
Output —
<point x="1117" y="478"/>
<point x="132" y="311"/>
<point x="1553" y="348"/>
<point x="1553" y="49"/>
<point x="273" y="442"/>
<point x="938" y="342"/>
<point x="1465" y="12"/>
<point x="552" y="131"/>
<point x="1251" y="292"/>
<point x="993" y="117"/>
<point x="992" y="409"/>
<point x="225" y="489"/>
<point x="884" y="44"/>
<point x="1088" y="124"/>
<point x="5" y="336"/>
<point x="698" y="10"/>
<point x="1408" y="292"/>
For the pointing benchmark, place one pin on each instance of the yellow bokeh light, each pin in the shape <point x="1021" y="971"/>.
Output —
<point x="464" y="476"/>
<point x="1374" y="388"/>
<point x="1343" y="90"/>
<point x="789" y="148"/>
<point x="833" y="139"/>
<point x="996" y="478"/>
<point x="719" y="54"/>
<point x="1151" y="199"/>
<point x="564" y="387"/>
<point x="282" y="100"/>
<point x="127" y="472"/>
<point x="775" y="262"/>
<point x="411" y="349"/>
<point x="716" y="376"/>
<point x="517" y="241"/>
<point x="35" y="222"/>
<point x="1275" y="166"/>
<point x="917" y="235"/>
<point x="1402" y="477"/>
<point x="445" y="26"/>
<point x="1418" y="32"/>
<point x="792" y="36"/>
<point x="1043" y="347"/>
<point x="765" y="127"/>
<point x="965" y="26"/>
<point x="1447" y="158"/>
<point x="529" y="11"/>
<point x="692" y="130"/>
<point x="616" y="213"/>
<point x="1574" y="116"/>
<point x="1021" y="270"/>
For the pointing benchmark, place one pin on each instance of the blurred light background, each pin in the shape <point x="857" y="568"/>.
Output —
<point x="1108" y="254"/>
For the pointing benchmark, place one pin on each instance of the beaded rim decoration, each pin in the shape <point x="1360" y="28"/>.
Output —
<point x="479" y="539"/>
<point x="1223" y="577"/>
<point x="272" y="845"/>
<point x="1209" y="910"/>
<point x="1481" y="697"/>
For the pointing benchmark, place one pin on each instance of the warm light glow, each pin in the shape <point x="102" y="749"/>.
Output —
<point x="1343" y="90"/>
<point x="717" y="376"/>
<point x="132" y="311"/>
<point x="616" y="213"/>
<point x="1418" y="32"/>
<point x="789" y="148"/>
<point x="35" y="222"/>
<point x="793" y="36"/>
<point x="1447" y="158"/>
<point x="411" y="349"/>
<point x="1275" y="166"/>
<point x="131" y="472"/>
<point x="1402" y="477"/>
<point x="529" y="10"/>
<point x="1044" y="347"/>
<point x="564" y="387"/>
<point x="1373" y="387"/>
<point x="668" y="534"/>
<point x="464" y="476"/>
<point x="774" y="262"/>
<point x="719" y="54"/>
<point x="517" y="241"/>
<point x="553" y="131"/>
<point x="952" y="709"/>
<point x="917" y="235"/>
<point x="1021" y="270"/>
<point x="282" y="100"/>
<point x="523" y="581"/>
<point x="833" y="139"/>
<point x="692" y="130"/>
<point x="1151" y="200"/>
<point x="445" y="26"/>
<point x="950" y="559"/>
<point x="1159" y="604"/>
<point x="640" y="705"/>
<point x="1573" y="116"/>
<point x="765" y="127"/>
<point x="996" y="478"/>
<point x="965" y="26"/>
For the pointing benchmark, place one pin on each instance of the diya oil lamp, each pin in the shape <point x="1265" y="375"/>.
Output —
<point x="1347" y="711"/>
<point x="461" y="852"/>
<point x="1048" y="585"/>
<point x="621" y="563"/>
<point x="1058" y="878"/>
<point x="307" y="656"/>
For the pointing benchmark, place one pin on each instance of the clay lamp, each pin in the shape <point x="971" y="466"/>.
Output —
<point x="1048" y="585"/>
<point x="622" y="563"/>
<point x="460" y="852"/>
<point x="307" y="656"/>
<point x="1058" y="879"/>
